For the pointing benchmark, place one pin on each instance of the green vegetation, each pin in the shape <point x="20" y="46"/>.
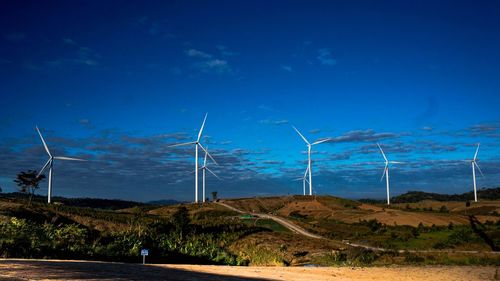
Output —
<point x="267" y="224"/>
<point x="52" y="233"/>
<point x="211" y="234"/>
<point x="417" y="196"/>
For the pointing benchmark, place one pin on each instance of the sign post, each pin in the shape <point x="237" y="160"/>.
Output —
<point x="144" y="253"/>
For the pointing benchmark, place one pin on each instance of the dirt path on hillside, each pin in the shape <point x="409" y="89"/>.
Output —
<point x="284" y="222"/>
<point x="11" y="269"/>
<point x="295" y="228"/>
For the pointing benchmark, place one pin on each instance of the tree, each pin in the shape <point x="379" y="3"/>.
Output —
<point x="0" y="189"/>
<point x="180" y="219"/>
<point x="214" y="196"/>
<point x="28" y="182"/>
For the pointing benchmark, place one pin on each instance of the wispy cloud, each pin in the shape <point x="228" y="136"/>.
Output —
<point x="325" y="57"/>
<point x="224" y="51"/>
<point x="197" y="54"/>
<point x="287" y="68"/>
<point x="274" y="122"/>
<point x="363" y="136"/>
<point x="208" y="63"/>
<point x="154" y="28"/>
<point x="82" y="56"/>
<point x="68" y="41"/>
<point x="86" y="123"/>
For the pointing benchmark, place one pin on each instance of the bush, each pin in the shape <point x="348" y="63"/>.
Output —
<point x="443" y="209"/>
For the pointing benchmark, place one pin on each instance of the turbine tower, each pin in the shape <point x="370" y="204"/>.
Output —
<point x="304" y="180"/>
<point x="204" y="168"/>
<point x="386" y="172"/>
<point x="474" y="163"/>
<point x="50" y="164"/>
<point x="309" y="163"/>
<point x="196" y="145"/>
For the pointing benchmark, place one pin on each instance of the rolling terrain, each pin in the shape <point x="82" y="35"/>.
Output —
<point x="291" y="230"/>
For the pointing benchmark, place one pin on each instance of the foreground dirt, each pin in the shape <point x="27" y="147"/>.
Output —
<point x="13" y="269"/>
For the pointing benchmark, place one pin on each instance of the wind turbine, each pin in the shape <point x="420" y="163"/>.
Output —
<point x="304" y="180"/>
<point x="204" y="168"/>
<point x="50" y="164"/>
<point x="386" y="172"/>
<point x="474" y="163"/>
<point x="309" y="163"/>
<point x="196" y="145"/>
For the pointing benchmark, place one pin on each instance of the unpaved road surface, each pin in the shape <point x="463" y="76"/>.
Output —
<point x="286" y="223"/>
<point x="14" y="269"/>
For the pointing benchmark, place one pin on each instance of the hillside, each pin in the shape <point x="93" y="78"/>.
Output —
<point x="213" y="234"/>
<point x="108" y="204"/>
<point x="417" y="196"/>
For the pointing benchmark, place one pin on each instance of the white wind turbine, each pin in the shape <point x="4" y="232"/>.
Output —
<point x="50" y="164"/>
<point x="204" y="168"/>
<point x="386" y="172"/>
<point x="304" y="180"/>
<point x="309" y="164"/>
<point x="474" y="163"/>
<point x="196" y="145"/>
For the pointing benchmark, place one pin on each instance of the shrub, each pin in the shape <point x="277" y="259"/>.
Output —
<point x="443" y="209"/>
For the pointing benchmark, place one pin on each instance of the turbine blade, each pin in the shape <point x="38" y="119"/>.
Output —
<point x="396" y="162"/>
<point x="479" y="169"/>
<point x="383" y="154"/>
<point x="383" y="173"/>
<point x="300" y="135"/>
<point x="201" y="129"/>
<point x="212" y="173"/>
<point x="68" y="158"/>
<point x="298" y="179"/>
<point x="43" y="141"/>
<point x="477" y="149"/>
<point x="321" y="141"/>
<point x="182" y="144"/>
<point x="206" y="151"/>
<point x="205" y="159"/>
<point x="305" y="173"/>
<point x="43" y="168"/>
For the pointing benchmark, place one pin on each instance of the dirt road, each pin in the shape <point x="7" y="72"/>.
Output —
<point x="277" y="219"/>
<point x="12" y="269"/>
<point x="293" y="227"/>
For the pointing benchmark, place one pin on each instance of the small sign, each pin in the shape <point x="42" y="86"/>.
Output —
<point x="144" y="252"/>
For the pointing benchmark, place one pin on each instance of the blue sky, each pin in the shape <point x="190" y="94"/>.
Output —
<point x="116" y="82"/>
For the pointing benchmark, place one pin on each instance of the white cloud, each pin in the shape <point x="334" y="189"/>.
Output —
<point x="208" y="63"/>
<point x="325" y="57"/>
<point x="287" y="68"/>
<point x="274" y="122"/>
<point x="197" y="54"/>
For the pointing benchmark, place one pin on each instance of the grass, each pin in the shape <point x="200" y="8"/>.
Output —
<point x="271" y="225"/>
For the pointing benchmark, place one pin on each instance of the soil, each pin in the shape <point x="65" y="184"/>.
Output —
<point x="16" y="269"/>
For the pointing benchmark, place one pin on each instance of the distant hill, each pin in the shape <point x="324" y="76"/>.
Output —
<point x="417" y="196"/>
<point x="109" y="204"/>
<point x="165" y="202"/>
